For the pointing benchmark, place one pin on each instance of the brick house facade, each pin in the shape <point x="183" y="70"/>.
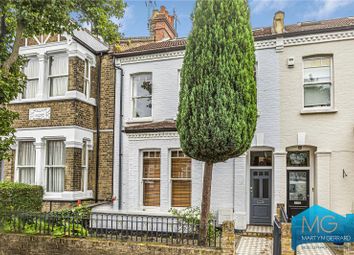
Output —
<point x="60" y="115"/>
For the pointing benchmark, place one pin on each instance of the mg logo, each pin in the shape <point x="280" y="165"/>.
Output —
<point x="326" y="224"/>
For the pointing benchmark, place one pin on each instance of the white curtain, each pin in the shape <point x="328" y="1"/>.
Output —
<point x="84" y="167"/>
<point x="55" y="166"/>
<point x="26" y="162"/>
<point x="58" y="86"/>
<point x="58" y="66"/>
<point x="31" y="89"/>
<point x="32" y="73"/>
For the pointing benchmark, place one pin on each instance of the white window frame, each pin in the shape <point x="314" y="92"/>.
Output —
<point x="50" y="76"/>
<point x="87" y="79"/>
<point x="53" y="166"/>
<point x="20" y="96"/>
<point x="331" y="82"/>
<point x="84" y="167"/>
<point x="134" y="97"/>
<point x="146" y="179"/>
<point x="18" y="167"/>
<point x="178" y="179"/>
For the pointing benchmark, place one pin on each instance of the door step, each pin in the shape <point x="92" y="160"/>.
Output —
<point x="258" y="231"/>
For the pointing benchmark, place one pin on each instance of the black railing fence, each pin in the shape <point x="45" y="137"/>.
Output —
<point x="278" y="221"/>
<point x="126" y="227"/>
<point x="276" y="237"/>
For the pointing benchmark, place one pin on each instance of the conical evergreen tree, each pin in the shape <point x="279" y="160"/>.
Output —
<point x="218" y="110"/>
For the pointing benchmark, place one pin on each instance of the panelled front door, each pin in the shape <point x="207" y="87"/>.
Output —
<point x="298" y="192"/>
<point x="261" y="200"/>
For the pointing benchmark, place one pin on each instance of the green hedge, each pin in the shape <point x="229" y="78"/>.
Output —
<point x="20" y="197"/>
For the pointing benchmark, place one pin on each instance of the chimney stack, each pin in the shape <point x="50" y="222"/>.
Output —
<point x="278" y="23"/>
<point x="162" y="25"/>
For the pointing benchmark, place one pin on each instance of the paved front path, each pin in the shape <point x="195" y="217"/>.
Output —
<point x="263" y="246"/>
<point x="254" y="246"/>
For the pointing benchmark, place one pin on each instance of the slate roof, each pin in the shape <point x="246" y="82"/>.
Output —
<point x="160" y="126"/>
<point x="90" y="41"/>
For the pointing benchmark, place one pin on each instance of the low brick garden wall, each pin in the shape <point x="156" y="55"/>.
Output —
<point x="20" y="244"/>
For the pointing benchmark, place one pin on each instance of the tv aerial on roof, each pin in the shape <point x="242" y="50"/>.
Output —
<point x="150" y="5"/>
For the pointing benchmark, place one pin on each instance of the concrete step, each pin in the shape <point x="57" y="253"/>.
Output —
<point x="258" y="231"/>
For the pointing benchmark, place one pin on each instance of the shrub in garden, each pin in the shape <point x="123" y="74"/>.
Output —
<point x="20" y="197"/>
<point x="190" y="216"/>
<point x="68" y="222"/>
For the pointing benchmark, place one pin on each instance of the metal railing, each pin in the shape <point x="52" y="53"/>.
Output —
<point x="283" y="218"/>
<point x="276" y="237"/>
<point x="126" y="227"/>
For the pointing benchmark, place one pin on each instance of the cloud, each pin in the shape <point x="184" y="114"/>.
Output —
<point x="257" y="6"/>
<point x="324" y="8"/>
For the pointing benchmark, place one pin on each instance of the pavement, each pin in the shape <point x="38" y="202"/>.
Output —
<point x="257" y="241"/>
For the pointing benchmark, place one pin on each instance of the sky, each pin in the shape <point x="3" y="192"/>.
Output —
<point x="135" y="19"/>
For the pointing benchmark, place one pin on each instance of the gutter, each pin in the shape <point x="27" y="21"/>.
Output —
<point x="119" y="133"/>
<point x="98" y="96"/>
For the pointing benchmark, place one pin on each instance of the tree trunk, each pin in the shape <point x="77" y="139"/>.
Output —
<point x="16" y="47"/>
<point x="203" y="231"/>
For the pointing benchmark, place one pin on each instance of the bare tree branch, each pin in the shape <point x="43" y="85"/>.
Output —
<point x="16" y="47"/>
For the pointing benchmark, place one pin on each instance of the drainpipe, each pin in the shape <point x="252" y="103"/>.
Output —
<point x="98" y="96"/>
<point x="120" y="128"/>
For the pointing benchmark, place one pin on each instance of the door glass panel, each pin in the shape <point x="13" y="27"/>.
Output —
<point x="265" y="188"/>
<point x="256" y="188"/>
<point x="298" y="158"/>
<point x="261" y="158"/>
<point x="297" y="186"/>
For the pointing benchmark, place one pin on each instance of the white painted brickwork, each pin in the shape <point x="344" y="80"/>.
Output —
<point x="230" y="179"/>
<point x="280" y="127"/>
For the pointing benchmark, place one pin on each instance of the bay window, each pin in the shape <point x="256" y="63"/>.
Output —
<point x="318" y="83"/>
<point x="26" y="162"/>
<point x="58" y="74"/>
<point x="87" y="76"/>
<point x="31" y="70"/>
<point x="84" y="166"/>
<point x="142" y="95"/>
<point x="151" y="178"/>
<point x="181" y="179"/>
<point x="55" y="166"/>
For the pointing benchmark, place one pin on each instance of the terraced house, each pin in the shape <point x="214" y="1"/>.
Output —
<point x="302" y="152"/>
<point x="96" y="123"/>
<point x="62" y="119"/>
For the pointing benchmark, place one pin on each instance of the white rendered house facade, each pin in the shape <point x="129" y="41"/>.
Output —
<point x="302" y="150"/>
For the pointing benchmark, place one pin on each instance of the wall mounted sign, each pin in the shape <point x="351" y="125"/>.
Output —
<point x="320" y="225"/>
<point x="39" y="114"/>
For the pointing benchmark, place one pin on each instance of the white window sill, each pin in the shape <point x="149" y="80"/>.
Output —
<point x="139" y="120"/>
<point x="69" y="95"/>
<point x="67" y="195"/>
<point x="317" y="111"/>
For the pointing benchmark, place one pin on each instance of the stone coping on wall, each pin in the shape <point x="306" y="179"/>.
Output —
<point x="21" y="244"/>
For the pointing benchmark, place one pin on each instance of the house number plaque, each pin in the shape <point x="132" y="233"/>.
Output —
<point x="39" y="114"/>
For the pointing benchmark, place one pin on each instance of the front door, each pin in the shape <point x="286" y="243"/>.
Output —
<point x="298" y="198"/>
<point x="261" y="200"/>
